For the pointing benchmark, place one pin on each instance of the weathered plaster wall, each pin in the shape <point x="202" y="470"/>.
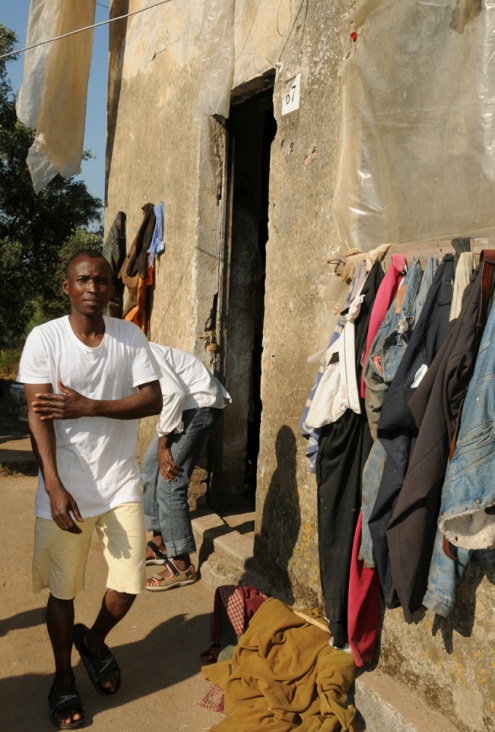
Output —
<point x="156" y="153"/>
<point x="300" y="290"/>
<point x="154" y="149"/>
<point x="450" y="662"/>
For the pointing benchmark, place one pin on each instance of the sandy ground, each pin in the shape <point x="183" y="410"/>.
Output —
<point x="157" y="644"/>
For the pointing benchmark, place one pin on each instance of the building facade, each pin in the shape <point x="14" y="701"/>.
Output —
<point x="246" y="280"/>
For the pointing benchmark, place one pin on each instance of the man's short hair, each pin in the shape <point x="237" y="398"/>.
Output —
<point x="91" y="253"/>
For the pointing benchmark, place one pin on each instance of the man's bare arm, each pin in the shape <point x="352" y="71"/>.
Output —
<point x="63" y="505"/>
<point x="71" y="404"/>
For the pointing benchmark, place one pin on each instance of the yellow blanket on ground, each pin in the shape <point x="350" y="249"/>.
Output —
<point x="284" y="675"/>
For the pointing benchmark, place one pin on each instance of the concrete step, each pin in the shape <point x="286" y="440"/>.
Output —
<point x="224" y="547"/>
<point x="386" y="705"/>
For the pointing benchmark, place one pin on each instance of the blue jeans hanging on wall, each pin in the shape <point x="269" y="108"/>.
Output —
<point x="165" y="504"/>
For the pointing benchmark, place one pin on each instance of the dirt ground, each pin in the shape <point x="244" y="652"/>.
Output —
<point x="157" y="645"/>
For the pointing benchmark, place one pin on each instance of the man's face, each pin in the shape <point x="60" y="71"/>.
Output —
<point x="88" y="285"/>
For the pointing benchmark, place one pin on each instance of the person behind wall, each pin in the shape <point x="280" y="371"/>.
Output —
<point x="193" y="400"/>
<point x="88" y="379"/>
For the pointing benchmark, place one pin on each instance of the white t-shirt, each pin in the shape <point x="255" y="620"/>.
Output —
<point x="186" y="383"/>
<point x="96" y="456"/>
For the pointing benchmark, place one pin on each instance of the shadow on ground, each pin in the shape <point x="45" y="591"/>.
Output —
<point x="167" y="656"/>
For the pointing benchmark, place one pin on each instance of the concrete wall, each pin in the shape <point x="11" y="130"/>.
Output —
<point x="155" y="153"/>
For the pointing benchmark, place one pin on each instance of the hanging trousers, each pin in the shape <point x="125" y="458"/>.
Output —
<point x="342" y="452"/>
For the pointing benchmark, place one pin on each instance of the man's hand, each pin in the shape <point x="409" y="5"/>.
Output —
<point x="67" y="405"/>
<point x="168" y="467"/>
<point x="63" y="508"/>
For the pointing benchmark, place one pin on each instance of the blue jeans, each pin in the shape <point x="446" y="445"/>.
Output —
<point x="444" y="577"/>
<point x="468" y="489"/>
<point x="165" y="504"/>
<point x="387" y="349"/>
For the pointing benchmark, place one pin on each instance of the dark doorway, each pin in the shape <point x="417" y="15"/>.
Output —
<point x="251" y="129"/>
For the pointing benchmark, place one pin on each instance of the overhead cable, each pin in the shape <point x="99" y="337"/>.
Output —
<point x="80" y="30"/>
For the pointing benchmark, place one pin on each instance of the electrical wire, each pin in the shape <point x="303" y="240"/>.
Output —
<point x="80" y="30"/>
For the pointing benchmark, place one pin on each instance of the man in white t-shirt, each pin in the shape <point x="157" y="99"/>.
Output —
<point x="88" y="379"/>
<point x="193" y="400"/>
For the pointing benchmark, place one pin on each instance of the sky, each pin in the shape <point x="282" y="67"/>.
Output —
<point x="14" y="15"/>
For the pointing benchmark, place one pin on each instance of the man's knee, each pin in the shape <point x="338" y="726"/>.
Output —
<point x="60" y="601"/>
<point x="122" y="599"/>
<point x="128" y="597"/>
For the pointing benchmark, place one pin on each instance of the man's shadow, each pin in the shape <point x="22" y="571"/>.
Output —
<point x="281" y="521"/>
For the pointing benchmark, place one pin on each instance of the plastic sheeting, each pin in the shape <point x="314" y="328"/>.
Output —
<point x="217" y="58"/>
<point x="417" y="151"/>
<point x="52" y="98"/>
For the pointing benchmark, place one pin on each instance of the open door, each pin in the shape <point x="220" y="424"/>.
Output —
<point x="251" y="129"/>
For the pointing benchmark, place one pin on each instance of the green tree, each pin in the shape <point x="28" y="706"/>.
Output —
<point x="34" y="229"/>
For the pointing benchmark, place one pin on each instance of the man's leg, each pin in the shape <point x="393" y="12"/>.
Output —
<point x="149" y="479"/>
<point x="60" y="625"/>
<point x="171" y="496"/>
<point x="59" y="564"/>
<point x="122" y="534"/>
<point x="114" y="607"/>
<point x="177" y="537"/>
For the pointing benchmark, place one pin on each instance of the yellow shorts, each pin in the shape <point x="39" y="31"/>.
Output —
<point x="60" y="558"/>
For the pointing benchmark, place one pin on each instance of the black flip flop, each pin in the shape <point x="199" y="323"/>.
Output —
<point x="65" y="698"/>
<point x="98" y="665"/>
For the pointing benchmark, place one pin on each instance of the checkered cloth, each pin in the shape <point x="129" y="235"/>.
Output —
<point x="233" y="599"/>
<point x="240" y="604"/>
<point x="213" y="699"/>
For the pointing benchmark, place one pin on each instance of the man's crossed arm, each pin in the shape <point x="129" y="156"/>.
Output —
<point x="45" y="406"/>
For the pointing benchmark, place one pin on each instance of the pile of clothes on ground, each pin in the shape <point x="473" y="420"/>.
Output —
<point x="275" y="669"/>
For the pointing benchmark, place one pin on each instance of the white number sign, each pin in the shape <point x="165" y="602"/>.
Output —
<point x="292" y="94"/>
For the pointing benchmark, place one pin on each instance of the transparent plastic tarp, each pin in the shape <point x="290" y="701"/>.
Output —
<point x="417" y="152"/>
<point x="216" y="48"/>
<point x="52" y="98"/>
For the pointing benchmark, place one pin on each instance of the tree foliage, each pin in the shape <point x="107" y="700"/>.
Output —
<point x="35" y="230"/>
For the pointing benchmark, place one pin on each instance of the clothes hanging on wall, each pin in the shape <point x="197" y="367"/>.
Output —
<point x="463" y="272"/>
<point x="449" y="562"/>
<point x="338" y="387"/>
<point x="309" y="432"/>
<point x="396" y="428"/>
<point x="385" y="356"/>
<point x="417" y="427"/>
<point x="435" y="406"/>
<point x="396" y="288"/>
<point x="389" y="344"/>
<point x="114" y="251"/>
<point x="384" y="297"/>
<point x="343" y="449"/>
<point x="467" y="515"/>
<point x="157" y="245"/>
<point x="426" y="282"/>
<point x="357" y="264"/>
<point x="135" y="273"/>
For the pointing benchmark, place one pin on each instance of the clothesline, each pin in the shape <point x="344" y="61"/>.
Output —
<point x="80" y="30"/>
